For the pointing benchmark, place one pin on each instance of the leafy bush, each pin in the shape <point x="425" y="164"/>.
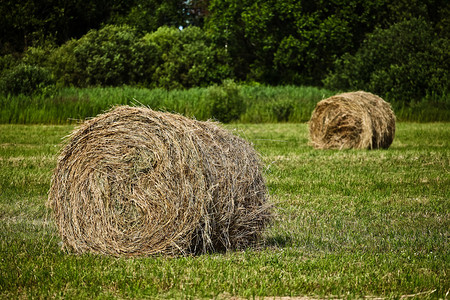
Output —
<point x="282" y="109"/>
<point x="25" y="79"/>
<point x="65" y="65"/>
<point x="110" y="56"/>
<point x="8" y="62"/>
<point x="185" y="58"/>
<point x="226" y="101"/>
<point x="405" y="62"/>
<point x="116" y="55"/>
<point x="38" y="56"/>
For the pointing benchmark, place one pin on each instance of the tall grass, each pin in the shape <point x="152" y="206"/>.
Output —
<point x="261" y="104"/>
<point x="281" y="103"/>
<point x="72" y="104"/>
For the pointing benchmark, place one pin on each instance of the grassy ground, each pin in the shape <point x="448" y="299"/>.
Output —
<point x="350" y="224"/>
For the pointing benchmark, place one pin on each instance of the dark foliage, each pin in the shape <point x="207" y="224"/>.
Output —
<point x="405" y="62"/>
<point x="25" y="79"/>
<point x="398" y="49"/>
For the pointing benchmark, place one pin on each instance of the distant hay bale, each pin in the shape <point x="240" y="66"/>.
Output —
<point x="358" y="120"/>
<point x="136" y="182"/>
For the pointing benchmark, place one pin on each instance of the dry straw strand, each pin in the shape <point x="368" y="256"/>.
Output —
<point x="359" y="120"/>
<point x="137" y="182"/>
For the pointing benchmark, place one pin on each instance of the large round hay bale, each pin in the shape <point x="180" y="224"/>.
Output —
<point x="136" y="182"/>
<point x="358" y="120"/>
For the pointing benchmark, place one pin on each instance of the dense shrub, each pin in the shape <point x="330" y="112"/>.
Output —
<point x="282" y="109"/>
<point x="226" y="101"/>
<point x="405" y="62"/>
<point x="110" y="56"/>
<point x="7" y="62"/>
<point x="25" y="79"/>
<point x="38" y="56"/>
<point x="116" y="55"/>
<point x="185" y="58"/>
<point x="65" y="66"/>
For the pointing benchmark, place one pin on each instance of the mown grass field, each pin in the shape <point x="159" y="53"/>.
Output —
<point x="349" y="224"/>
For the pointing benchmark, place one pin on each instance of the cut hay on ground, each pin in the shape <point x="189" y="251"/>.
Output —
<point x="358" y="120"/>
<point x="136" y="182"/>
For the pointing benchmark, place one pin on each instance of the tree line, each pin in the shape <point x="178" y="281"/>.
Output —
<point x="397" y="49"/>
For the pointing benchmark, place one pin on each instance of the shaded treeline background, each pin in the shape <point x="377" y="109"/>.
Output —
<point x="396" y="49"/>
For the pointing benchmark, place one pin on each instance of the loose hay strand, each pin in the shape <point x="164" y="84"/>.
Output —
<point x="136" y="182"/>
<point x="359" y="120"/>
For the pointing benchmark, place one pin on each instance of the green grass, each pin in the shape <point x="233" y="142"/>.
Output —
<point x="261" y="104"/>
<point x="349" y="224"/>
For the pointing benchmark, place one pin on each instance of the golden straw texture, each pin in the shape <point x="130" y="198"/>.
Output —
<point x="136" y="182"/>
<point x="358" y="120"/>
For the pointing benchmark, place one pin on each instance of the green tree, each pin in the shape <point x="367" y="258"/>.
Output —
<point x="405" y="62"/>
<point x="288" y="41"/>
<point x="297" y="41"/>
<point x="149" y="15"/>
<point x="34" y="22"/>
